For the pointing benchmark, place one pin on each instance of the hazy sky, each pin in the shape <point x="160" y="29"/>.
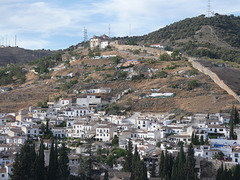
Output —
<point x="58" y="24"/>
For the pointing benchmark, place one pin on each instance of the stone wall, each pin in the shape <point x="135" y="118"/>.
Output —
<point x="149" y="50"/>
<point x="213" y="76"/>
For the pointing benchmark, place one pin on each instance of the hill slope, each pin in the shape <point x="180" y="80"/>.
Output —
<point x="143" y="79"/>
<point x="215" y="37"/>
<point x="17" y="55"/>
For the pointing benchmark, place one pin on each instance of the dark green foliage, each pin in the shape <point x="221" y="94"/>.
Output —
<point x="116" y="60"/>
<point x="175" y="55"/>
<point x="141" y="171"/>
<point x="128" y="158"/>
<point x="51" y="173"/>
<point x="192" y="84"/>
<point x="190" y="164"/>
<point x="153" y="169"/>
<point x="135" y="160"/>
<point x="234" y="119"/>
<point x="136" y="51"/>
<point x="161" y="166"/>
<point x="226" y="28"/>
<point x="39" y="168"/>
<point x="121" y="74"/>
<point x="165" y="57"/>
<point x="115" y="141"/>
<point x="47" y="62"/>
<point x="105" y="175"/>
<point x="23" y="165"/>
<point x="219" y="156"/>
<point x="201" y="140"/>
<point x="162" y="74"/>
<point x="67" y="85"/>
<point x="12" y="74"/>
<point x="64" y="171"/>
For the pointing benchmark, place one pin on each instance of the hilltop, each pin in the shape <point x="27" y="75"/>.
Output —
<point x="21" y="56"/>
<point x="215" y="37"/>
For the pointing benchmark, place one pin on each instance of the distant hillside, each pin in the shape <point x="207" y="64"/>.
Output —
<point x="215" y="37"/>
<point x="17" y="55"/>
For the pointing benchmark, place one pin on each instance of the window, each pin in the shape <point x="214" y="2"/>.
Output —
<point x="236" y="160"/>
<point x="206" y="153"/>
<point x="236" y="155"/>
<point x="220" y="129"/>
<point x="2" y="175"/>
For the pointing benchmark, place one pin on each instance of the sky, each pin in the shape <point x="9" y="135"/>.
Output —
<point x="58" y="24"/>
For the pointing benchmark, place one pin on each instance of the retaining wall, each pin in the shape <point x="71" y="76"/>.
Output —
<point x="213" y="76"/>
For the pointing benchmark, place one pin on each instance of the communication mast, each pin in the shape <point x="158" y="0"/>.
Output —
<point x="129" y="29"/>
<point x="85" y="34"/>
<point x="15" y="40"/>
<point x="109" y="32"/>
<point x="209" y="9"/>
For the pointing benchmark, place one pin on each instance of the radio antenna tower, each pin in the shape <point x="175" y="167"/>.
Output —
<point x="129" y="30"/>
<point x="15" y="40"/>
<point x="85" y="34"/>
<point x="109" y="33"/>
<point x="209" y="9"/>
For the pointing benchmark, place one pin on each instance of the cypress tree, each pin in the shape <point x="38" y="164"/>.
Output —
<point x="201" y="140"/>
<point x="166" y="165"/>
<point x="135" y="160"/>
<point x="190" y="164"/>
<point x="181" y="164"/>
<point x="153" y="169"/>
<point x="236" y="172"/>
<point x="106" y="175"/>
<point x="231" y="133"/>
<point x="192" y="138"/>
<point x="56" y="157"/>
<point x="128" y="158"/>
<point x="23" y="165"/>
<point x="141" y="174"/>
<point x="236" y="117"/>
<point x="39" y="168"/>
<point x="51" y="168"/>
<point x="63" y="168"/>
<point x="161" y="165"/>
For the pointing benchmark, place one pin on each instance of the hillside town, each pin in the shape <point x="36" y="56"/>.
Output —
<point x="75" y="120"/>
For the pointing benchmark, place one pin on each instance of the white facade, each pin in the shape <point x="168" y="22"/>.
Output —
<point x="89" y="100"/>
<point x="105" y="132"/>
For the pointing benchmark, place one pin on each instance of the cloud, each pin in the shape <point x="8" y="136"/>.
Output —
<point x="38" y="23"/>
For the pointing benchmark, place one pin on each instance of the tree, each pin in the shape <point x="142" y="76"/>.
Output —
<point x="39" y="168"/>
<point x="128" y="158"/>
<point x="141" y="171"/>
<point x="51" y="175"/>
<point x="153" y="169"/>
<point x="106" y="175"/>
<point x="135" y="160"/>
<point x="63" y="168"/>
<point x="201" y="140"/>
<point x="192" y="84"/>
<point x="115" y="141"/>
<point x="23" y="165"/>
<point x="231" y="133"/>
<point x="175" y="55"/>
<point x="190" y="164"/>
<point x="161" y="165"/>
<point x="165" y="57"/>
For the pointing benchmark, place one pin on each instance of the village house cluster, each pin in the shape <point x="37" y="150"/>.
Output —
<point x="151" y="132"/>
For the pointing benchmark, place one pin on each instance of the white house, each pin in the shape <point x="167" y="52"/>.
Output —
<point x="89" y="100"/>
<point x="97" y="41"/>
<point x="104" y="132"/>
<point x="66" y="101"/>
